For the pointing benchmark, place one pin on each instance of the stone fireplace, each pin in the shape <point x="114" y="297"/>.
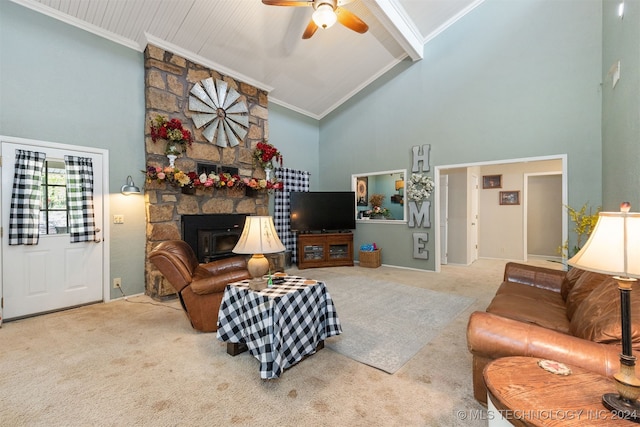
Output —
<point x="216" y="215"/>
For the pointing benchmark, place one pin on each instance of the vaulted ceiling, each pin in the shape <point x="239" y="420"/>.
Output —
<point x="262" y="45"/>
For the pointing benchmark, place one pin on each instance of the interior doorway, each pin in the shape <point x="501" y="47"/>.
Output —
<point x="502" y="227"/>
<point x="543" y="215"/>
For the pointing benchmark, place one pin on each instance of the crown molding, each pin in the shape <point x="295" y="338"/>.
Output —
<point x="63" y="17"/>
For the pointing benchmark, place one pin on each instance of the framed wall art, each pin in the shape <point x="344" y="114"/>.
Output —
<point x="362" y="191"/>
<point x="491" y="181"/>
<point x="509" y="197"/>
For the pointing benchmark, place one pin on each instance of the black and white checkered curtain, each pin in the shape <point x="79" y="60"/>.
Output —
<point x="82" y="226"/>
<point x="293" y="180"/>
<point x="26" y="198"/>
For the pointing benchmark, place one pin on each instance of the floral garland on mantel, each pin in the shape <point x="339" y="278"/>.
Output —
<point x="419" y="187"/>
<point x="178" y="178"/>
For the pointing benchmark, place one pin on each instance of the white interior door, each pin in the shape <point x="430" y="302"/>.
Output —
<point x="474" y="217"/>
<point x="54" y="274"/>
<point x="444" y="217"/>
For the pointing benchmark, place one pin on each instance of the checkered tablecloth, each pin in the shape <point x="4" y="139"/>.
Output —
<point x="280" y="325"/>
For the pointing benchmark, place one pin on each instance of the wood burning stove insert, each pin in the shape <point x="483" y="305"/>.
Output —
<point x="212" y="236"/>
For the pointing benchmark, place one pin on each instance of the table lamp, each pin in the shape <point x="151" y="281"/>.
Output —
<point x="258" y="237"/>
<point x="614" y="249"/>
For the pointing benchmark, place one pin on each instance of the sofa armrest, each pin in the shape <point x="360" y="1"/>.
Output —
<point x="545" y="278"/>
<point x="491" y="337"/>
<point x="220" y="266"/>
<point x="214" y="284"/>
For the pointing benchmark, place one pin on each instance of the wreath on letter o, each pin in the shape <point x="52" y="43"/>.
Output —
<point x="419" y="187"/>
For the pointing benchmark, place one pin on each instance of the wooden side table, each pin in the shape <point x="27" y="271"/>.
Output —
<point x="524" y="394"/>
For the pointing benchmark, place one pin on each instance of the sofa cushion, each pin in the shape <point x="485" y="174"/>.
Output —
<point x="537" y="295"/>
<point x="598" y="317"/>
<point x="529" y="310"/>
<point x="587" y="282"/>
<point x="569" y="281"/>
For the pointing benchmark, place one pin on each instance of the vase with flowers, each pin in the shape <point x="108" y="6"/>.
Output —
<point x="173" y="132"/>
<point x="264" y="155"/>
<point x="377" y="211"/>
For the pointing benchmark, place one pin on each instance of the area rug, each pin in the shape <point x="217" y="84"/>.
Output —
<point x="385" y="324"/>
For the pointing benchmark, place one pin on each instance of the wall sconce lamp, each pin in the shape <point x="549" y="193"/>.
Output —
<point x="614" y="248"/>
<point x="129" y="187"/>
<point x="399" y="184"/>
<point x="258" y="237"/>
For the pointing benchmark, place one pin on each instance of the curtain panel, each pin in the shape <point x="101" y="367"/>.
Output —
<point x="82" y="226"/>
<point x="26" y="198"/>
<point x="293" y="180"/>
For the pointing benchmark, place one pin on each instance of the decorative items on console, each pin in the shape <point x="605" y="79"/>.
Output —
<point x="377" y="211"/>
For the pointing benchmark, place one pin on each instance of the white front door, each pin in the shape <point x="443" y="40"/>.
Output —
<point x="55" y="273"/>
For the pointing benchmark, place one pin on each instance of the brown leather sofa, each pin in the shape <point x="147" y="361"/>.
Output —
<point x="571" y="317"/>
<point x="200" y="287"/>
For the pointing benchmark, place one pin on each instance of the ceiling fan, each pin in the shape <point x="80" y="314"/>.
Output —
<point x="327" y="12"/>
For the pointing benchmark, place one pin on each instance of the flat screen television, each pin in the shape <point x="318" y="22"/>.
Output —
<point x="322" y="211"/>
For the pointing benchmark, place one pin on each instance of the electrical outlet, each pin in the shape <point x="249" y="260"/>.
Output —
<point x="118" y="219"/>
<point x="117" y="282"/>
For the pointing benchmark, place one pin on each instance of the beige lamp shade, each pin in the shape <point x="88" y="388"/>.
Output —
<point x="399" y="184"/>
<point x="613" y="247"/>
<point x="259" y="237"/>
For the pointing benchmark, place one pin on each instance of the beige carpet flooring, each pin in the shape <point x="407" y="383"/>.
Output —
<point x="138" y="362"/>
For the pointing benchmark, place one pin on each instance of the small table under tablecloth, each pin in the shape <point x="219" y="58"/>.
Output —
<point x="280" y="325"/>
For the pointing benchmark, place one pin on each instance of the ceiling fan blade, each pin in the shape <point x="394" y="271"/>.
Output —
<point x="351" y="21"/>
<point x="287" y="3"/>
<point x="310" y="30"/>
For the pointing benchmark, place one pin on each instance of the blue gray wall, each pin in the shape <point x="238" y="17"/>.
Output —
<point x="65" y="85"/>
<point x="621" y="106"/>
<point x="512" y="79"/>
<point x="509" y="80"/>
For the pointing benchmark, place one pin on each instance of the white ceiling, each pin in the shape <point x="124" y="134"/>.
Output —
<point x="262" y="45"/>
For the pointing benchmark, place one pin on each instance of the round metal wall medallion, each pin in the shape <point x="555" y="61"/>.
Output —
<point x="221" y="110"/>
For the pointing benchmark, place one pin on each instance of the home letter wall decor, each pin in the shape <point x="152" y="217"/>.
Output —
<point x="419" y="156"/>
<point x="419" y="207"/>
<point x="421" y="214"/>
<point x="419" y="243"/>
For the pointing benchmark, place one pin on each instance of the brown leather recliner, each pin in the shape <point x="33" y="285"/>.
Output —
<point x="200" y="287"/>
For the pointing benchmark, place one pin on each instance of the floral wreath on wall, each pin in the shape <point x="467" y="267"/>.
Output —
<point x="419" y="187"/>
<point x="178" y="138"/>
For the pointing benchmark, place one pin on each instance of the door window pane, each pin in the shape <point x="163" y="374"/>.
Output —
<point x="53" y="214"/>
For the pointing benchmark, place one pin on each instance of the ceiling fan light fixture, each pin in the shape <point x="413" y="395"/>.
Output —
<point x="324" y="16"/>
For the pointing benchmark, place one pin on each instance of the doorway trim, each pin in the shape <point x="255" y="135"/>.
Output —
<point x="525" y="206"/>
<point x="106" y="256"/>
<point x="436" y="179"/>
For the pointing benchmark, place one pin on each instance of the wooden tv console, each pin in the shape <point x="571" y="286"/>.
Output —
<point x="325" y="250"/>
